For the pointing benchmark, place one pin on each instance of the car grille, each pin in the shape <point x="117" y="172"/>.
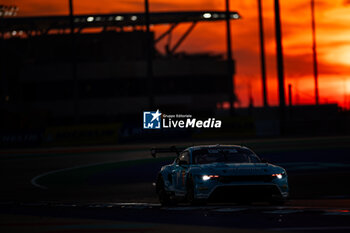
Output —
<point x="230" y="179"/>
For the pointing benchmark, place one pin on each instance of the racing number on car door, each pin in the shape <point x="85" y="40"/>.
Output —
<point x="182" y="164"/>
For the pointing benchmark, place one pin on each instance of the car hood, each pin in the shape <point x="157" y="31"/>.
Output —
<point x="231" y="169"/>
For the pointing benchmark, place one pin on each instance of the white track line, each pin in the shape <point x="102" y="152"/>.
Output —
<point x="310" y="228"/>
<point x="34" y="181"/>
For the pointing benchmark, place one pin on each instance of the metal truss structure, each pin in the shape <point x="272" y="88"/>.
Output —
<point x="35" y="26"/>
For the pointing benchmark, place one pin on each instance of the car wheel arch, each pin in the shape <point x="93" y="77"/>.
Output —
<point x="159" y="181"/>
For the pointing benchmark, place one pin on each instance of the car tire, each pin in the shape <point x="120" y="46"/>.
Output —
<point x="163" y="196"/>
<point x="190" y="194"/>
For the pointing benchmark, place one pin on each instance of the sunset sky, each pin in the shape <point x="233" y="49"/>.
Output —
<point x="333" y="41"/>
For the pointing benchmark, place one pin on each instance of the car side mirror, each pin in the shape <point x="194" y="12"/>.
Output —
<point x="182" y="162"/>
<point x="153" y="152"/>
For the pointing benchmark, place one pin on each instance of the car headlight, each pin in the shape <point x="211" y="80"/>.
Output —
<point x="208" y="177"/>
<point x="278" y="175"/>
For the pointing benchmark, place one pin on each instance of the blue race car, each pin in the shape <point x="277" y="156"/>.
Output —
<point x="220" y="173"/>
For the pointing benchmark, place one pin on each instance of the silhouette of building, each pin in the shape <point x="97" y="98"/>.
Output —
<point x="110" y="53"/>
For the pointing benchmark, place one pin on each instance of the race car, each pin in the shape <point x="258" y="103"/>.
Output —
<point x="220" y="173"/>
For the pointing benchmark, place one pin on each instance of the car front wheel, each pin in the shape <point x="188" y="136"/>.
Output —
<point x="163" y="196"/>
<point x="190" y="193"/>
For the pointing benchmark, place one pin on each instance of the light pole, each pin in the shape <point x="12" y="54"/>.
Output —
<point x="74" y="65"/>
<point x="314" y="52"/>
<point x="5" y="11"/>
<point x="280" y="70"/>
<point x="230" y="67"/>
<point x="262" y="54"/>
<point x="149" y="51"/>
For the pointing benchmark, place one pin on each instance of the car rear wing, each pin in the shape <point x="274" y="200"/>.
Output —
<point x="172" y="149"/>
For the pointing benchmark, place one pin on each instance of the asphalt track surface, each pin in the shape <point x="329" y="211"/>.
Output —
<point x="109" y="189"/>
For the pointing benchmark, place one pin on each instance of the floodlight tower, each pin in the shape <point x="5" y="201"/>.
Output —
<point x="314" y="52"/>
<point x="280" y="70"/>
<point x="262" y="54"/>
<point x="230" y="65"/>
<point x="149" y="51"/>
<point x="74" y="64"/>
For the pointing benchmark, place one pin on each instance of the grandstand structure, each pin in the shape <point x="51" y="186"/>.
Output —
<point x="110" y="56"/>
<point x="33" y="26"/>
<point x="42" y="25"/>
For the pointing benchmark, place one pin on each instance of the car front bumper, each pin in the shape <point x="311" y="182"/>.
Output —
<point x="241" y="191"/>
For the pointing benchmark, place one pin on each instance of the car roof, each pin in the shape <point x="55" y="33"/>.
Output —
<point x="214" y="146"/>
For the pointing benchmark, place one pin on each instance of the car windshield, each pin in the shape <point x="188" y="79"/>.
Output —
<point x="224" y="155"/>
